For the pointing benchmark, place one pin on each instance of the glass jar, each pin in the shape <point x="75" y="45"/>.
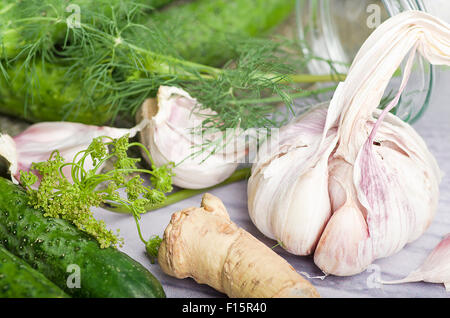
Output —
<point x="332" y="31"/>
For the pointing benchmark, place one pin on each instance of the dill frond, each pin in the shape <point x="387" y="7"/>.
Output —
<point x="113" y="61"/>
<point x="73" y="199"/>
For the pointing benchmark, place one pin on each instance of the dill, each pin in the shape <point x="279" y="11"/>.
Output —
<point x="115" y="61"/>
<point x="152" y="247"/>
<point x="73" y="199"/>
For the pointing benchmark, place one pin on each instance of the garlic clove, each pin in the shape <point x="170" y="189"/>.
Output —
<point x="299" y="229"/>
<point x="37" y="142"/>
<point x="415" y="170"/>
<point x="380" y="171"/>
<point x="171" y="137"/>
<point x="435" y="269"/>
<point x="9" y="153"/>
<point x="390" y="215"/>
<point x="338" y="251"/>
<point x="294" y="175"/>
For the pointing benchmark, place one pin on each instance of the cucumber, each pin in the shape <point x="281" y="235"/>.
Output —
<point x="200" y="31"/>
<point x="19" y="280"/>
<point x="51" y="89"/>
<point x="54" y="246"/>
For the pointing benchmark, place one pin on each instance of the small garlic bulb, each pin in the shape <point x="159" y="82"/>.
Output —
<point x="171" y="137"/>
<point x="350" y="183"/>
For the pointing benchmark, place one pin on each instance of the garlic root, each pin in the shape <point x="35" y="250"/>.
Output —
<point x="203" y="243"/>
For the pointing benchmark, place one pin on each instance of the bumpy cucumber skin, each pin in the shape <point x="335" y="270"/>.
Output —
<point x="19" y="280"/>
<point x="50" y="245"/>
<point x="48" y="99"/>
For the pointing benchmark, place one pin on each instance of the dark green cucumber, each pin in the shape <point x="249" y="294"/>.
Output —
<point x="52" y="246"/>
<point x="19" y="280"/>
<point x="51" y="89"/>
<point x="202" y="31"/>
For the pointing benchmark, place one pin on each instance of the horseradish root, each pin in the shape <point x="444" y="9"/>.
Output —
<point x="203" y="243"/>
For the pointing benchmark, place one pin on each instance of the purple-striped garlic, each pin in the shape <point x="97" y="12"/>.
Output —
<point x="350" y="183"/>
<point x="37" y="142"/>
<point x="435" y="269"/>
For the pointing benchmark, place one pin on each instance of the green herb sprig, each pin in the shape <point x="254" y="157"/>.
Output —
<point x="113" y="61"/>
<point x="72" y="198"/>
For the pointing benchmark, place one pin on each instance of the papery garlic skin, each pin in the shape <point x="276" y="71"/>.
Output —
<point x="9" y="153"/>
<point x="37" y="142"/>
<point x="435" y="269"/>
<point x="339" y="244"/>
<point x="363" y="174"/>
<point x="290" y="174"/>
<point x="170" y="138"/>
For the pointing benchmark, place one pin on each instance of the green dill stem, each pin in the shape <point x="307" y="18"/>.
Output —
<point x="275" y="99"/>
<point x="7" y="8"/>
<point x="93" y="181"/>
<point x="204" y="71"/>
<point x="139" y="229"/>
<point x="130" y="170"/>
<point x="72" y="164"/>
<point x="125" y="204"/>
<point x="307" y="78"/>
<point x="144" y="149"/>
<point x="76" y="172"/>
<point x="183" y="194"/>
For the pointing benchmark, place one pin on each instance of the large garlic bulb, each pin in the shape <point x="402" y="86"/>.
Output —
<point x="346" y="181"/>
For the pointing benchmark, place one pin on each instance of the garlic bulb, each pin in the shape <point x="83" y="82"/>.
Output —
<point x="435" y="269"/>
<point x="37" y="142"/>
<point x="170" y="137"/>
<point x="351" y="183"/>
